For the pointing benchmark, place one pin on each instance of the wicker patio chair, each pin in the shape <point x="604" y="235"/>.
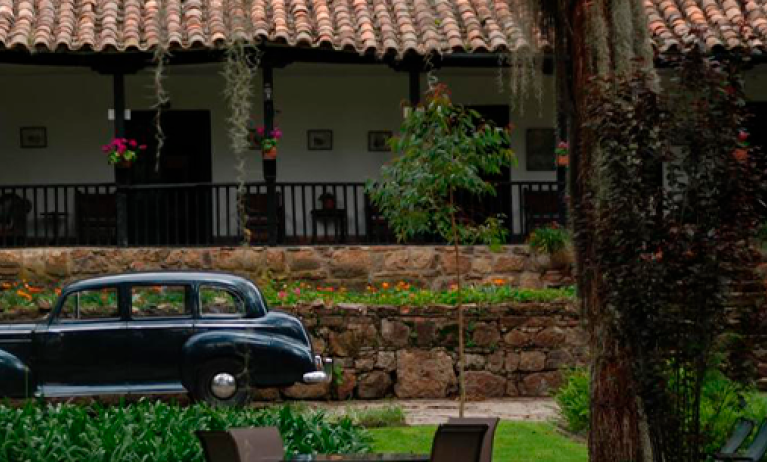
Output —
<point x="487" y="444"/>
<point x="755" y="451"/>
<point x="258" y="444"/>
<point x="458" y="443"/>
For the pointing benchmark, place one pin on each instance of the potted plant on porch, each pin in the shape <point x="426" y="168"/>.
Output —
<point x="268" y="144"/>
<point x="122" y="152"/>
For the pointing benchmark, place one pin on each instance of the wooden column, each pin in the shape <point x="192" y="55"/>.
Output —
<point x="270" y="165"/>
<point x="122" y="176"/>
<point x="414" y="86"/>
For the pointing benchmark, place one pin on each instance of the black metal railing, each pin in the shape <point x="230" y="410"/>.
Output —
<point x="212" y="214"/>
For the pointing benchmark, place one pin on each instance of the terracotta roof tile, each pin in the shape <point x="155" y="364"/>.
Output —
<point x="367" y="26"/>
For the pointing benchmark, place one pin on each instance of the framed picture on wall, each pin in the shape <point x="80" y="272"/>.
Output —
<point x="378" y="140"/>
<point x="319" y="140"/>
<point x="33" y="137"/>
<point x="541" y="143"/>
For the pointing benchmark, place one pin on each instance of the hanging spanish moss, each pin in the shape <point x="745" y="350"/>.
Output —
<point x="162" y="98"/>
<point x="525" y="57"/>
<point x="240" y="68"/>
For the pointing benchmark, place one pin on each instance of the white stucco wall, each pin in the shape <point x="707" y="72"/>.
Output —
<point x="348" y="99"/>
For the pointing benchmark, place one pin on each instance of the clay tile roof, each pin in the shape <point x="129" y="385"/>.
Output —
<point x="365" y="26"/>
<point x="718" y="24"/>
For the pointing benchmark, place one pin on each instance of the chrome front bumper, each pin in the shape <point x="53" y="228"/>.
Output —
<point x="323" y="373"/>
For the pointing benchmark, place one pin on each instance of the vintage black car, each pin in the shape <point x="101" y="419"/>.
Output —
<point x="208" y="334"/>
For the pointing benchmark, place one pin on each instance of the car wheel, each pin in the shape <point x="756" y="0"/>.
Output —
<point x="222" y="383"/>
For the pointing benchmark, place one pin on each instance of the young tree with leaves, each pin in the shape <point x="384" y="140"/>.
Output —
<point x="443" y="151"/>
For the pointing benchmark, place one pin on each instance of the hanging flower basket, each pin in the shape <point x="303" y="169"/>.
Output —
<point x="741" y="152"/>
<point x="562" y="153"/>
<point x="270" y="154"/>
<point x="122" y="152"/>
<point x="268" y="143"/>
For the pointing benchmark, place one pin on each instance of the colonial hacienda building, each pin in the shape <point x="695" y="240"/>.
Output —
<point x="332" y="76"/>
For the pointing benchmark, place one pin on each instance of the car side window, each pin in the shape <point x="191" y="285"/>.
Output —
<point x="215" y="301"/>
<point x="87" y="305"/>
<point x="159" y="301"/>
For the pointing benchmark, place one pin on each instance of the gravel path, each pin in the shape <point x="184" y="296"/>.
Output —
<point x="423" y="412"/>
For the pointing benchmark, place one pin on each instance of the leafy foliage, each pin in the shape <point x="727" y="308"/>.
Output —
<point x="157" y="432"/>
<point x="390" y="415"/>
<point x="667" y="232"/>
<point x="722" y="403"/>
<point x="549" y="239"/>
<point x="573" y="399"/>
<point x="442" y="149"/>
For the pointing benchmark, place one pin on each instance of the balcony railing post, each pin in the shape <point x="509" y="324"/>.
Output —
<point x="562" y="195"/>
<point x="270" y="165"/>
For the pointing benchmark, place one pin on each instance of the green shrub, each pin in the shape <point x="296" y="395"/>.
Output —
<point x="157" y="431"/>
<point x="723" y="402"/>
<point x="573" y="400"/>
<point x="377" y="417"/>
<point x="549" y="239"/>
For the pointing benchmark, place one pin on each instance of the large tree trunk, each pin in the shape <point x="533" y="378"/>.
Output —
<point x="616" y="433"/>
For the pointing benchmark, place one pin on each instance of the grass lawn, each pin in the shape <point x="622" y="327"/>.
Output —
<point x="514" y="442"/>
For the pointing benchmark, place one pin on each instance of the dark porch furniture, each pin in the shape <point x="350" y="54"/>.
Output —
<point x="336" y="217"/>
<point x="359" y="458"/>
<point x="96" y="217"/>
<point x="756" y="450"/>
<point x="458" y="443"/>
<point x="539" y="208"/>
<point x="376" y="225"/>
<point x="487" y="444"/>
<point x="257" y="209"/>
<point x="13" y="217"/>
<point x="257" y="444"/>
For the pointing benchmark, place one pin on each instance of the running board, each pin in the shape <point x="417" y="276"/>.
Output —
<point x="65" y="391"/>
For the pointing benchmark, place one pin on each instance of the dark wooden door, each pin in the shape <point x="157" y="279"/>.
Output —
<point x="479" y="209"/>
<point x="171" y="201"/>
<point x="757" y="127"/>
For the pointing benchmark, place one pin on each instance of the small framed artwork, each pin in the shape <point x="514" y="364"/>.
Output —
<point x="378" y="140"/>
<point x="541" y="143"/>
<point x="33" y="137"/>
<point x="319" y="140"/>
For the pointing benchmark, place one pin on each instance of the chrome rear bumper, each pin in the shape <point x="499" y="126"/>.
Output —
<point x="323" y="373"/>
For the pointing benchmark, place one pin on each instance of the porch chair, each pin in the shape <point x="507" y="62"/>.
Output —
<point x="257" y="209"/>
<point x="256" y="444"/>
<point x="740" y="432"/>
<point x="756" y="450"/>
<point x="376" y="225"/>
<point x="13" y="217"/>
<point x="96" y="217"/>
<point x="539" y="208"/>
<point x="487" y="443"/>
<point x="458" y="443"/>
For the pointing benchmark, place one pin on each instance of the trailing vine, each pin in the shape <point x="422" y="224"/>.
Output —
<point x="240" y="65"/>
<point x="161" y="55"/>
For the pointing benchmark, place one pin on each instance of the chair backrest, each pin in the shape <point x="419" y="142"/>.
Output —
<point x="218" y="446"/>
<point x="258" y="444"/>
<point x="740" y="432"/>
<point x="458" y="443"/>
<point x="487" y="444"/>
<point x="258" y="203"/>
<point x="758" y="446"/>
<point x="541" y="202"/>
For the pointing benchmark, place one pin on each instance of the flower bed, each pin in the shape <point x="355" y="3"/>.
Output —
<point x="22" y="297"/>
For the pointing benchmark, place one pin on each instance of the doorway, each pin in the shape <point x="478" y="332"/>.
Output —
<point x="169" y="202"/>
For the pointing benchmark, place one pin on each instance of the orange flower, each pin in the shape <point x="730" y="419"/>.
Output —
<point x="23" y="294"/>
<point x="34" y="290"/>
<point x="454" y="287"/>
<point x="499" y="282"/>
<point x="57" y="290"/>
<point x="385" y="285"/>
<point x="6" y="285"/>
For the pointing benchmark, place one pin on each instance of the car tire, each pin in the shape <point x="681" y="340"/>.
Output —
<point x="222" y="383"/>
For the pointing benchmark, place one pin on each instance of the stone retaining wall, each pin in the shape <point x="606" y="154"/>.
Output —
<point x="383" y="351"/>
<point x="350" y="266"/>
